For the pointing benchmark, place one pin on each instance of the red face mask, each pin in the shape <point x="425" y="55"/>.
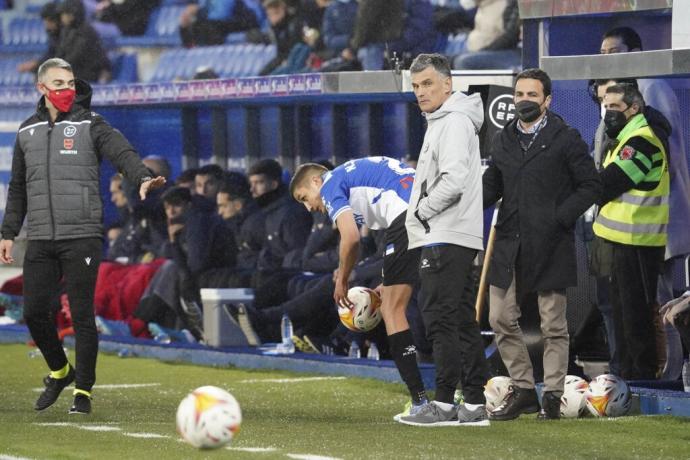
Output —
<point x="62" y="99"/>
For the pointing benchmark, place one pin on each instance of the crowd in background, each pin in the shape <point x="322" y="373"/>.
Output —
<point x="309" y="35"/>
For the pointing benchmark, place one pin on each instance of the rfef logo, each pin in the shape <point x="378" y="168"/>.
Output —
<point x="502" y="110"/>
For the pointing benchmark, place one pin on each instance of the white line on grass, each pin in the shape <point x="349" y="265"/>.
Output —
<point x="293" y="380"/>
<point x="82" y="427"/>
<point x="311" y="457"/>
<point x="12" y="457"/>
<point x="114" y="386"/>
<point x="252" y="449"/>
<point x="146" y="435"/>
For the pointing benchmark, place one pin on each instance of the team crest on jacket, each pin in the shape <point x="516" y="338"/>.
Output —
<point x="626" y="153"/>
<point x="68" y="143"/>
<point x="70" y="131"/>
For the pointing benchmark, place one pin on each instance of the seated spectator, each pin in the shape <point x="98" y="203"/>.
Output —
<point x="493" y="42"/>
<point x="403" y="27"/>
<point x="51" y="24"/>
<point x="208" y="22"/>
<point x="338" y="25"/>
<point x="80" y="45"/>
<point x="207" y="181"/>
<point x="286" y="32"/>
<point x="130" y="16"/>
<point x="197" y="241"/>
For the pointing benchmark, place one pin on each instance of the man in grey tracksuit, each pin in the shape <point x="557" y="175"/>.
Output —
<point x="445" y="219"/>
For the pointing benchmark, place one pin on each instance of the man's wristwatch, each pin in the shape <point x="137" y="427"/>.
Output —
<point x="145" y="179"/>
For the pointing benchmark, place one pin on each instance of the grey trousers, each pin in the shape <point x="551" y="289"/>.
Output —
<point x="504" y="313"/>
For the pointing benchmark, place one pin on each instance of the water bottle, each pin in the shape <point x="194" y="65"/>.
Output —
<point x="354" y="350"/>
<point x="373" y="352"/>
<point x="158" y="334"/>
<point x="37" y="352"/>
<point x="287" y="346"/>
<point x="125" y="353"/>
<point x="686" y="376"/>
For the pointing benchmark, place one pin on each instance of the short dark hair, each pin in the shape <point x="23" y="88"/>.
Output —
<point x="236" y="186"/>
<point x="631" y="95"/>
<point x="269" y="168"/>
<point x="303" y="173"/>
<point x="177" y="196"/>
<point x="536" y="74"/>
<point x="212" y="170"/>
<point x="51" y="12"/>
<point x="438" y="61"/>
<point x="186" y="176"/>
<point x="274" y="4"/>
<point x="628" y="36"/>
<point x="593" y="85"/>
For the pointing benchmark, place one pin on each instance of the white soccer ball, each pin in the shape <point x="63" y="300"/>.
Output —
<point x="208" y="417"/>
<point x="608" y="396"/>
<point x="365" y="313"/>
<point x="496" y="390"/>
<point x="573" y="401"/>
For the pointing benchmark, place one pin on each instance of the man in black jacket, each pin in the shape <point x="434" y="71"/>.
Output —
<point x="80" y="45"/>
<point x="55" y="185"/>
<point x="543" y="172"/>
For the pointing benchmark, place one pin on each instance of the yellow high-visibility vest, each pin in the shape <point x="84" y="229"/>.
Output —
<point x="638" y="217"/>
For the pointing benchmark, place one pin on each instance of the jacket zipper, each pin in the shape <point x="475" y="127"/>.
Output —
<point x="50" y="195"/>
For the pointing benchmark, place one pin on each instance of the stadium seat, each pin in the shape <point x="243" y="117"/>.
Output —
<point x="124" y="66"/>
<point x="25" y="34"/>
<point x="242" y="60"/>
<point x="455" y="45"/>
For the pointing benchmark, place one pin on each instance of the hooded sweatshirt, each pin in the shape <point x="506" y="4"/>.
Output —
<point x="446" y="201"/>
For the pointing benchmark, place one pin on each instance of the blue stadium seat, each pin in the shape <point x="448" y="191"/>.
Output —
<point x="124" y="66"/>
<point x="25" y="34"/>
<point x="456" y="44"/>
<point x="227" y="61"/>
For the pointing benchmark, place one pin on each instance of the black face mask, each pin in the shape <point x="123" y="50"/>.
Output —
<point x="528" y="111"/>
<point x="614" y="121"/>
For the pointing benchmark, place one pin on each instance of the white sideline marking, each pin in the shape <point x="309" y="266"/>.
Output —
<point x="311" y="457"/>
<point x="294" y="380"/>
<point x="12" y="457"/>
<point x="82" y="427"/>
<point x="113" y="386"/>
<point x="252" y="449"/>
<point x="146" y="435"/>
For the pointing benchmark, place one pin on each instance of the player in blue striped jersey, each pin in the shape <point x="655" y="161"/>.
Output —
<point x="374" y="192"/>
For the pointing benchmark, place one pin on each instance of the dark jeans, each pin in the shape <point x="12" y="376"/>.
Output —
<point x="45" y="263"/>
<point x="632" y="293"/>
<point x="449" y="317"/>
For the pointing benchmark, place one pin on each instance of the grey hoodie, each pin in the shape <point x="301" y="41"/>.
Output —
<point x="446" y="201"/>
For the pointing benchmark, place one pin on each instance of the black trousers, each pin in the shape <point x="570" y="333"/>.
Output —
<point x="76" y="263"/>
<point x="633" y="292"/>
<point x="449" y="318"/>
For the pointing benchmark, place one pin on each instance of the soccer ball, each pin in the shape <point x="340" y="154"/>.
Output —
<point x="608" y="396"/>
<point x="573" y="401"/>
<point x="365" y="313"/>
<point x="496" y="390"/>
<point x="208" y="417"/>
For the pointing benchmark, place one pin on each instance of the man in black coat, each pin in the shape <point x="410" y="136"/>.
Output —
<point x="543" y="172"/>
<point x="80" y="45"/>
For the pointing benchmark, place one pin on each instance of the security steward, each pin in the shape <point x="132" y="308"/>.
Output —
<point x="634" y="218"/>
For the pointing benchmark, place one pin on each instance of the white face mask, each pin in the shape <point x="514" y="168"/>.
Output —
<point x="603" y="111"/>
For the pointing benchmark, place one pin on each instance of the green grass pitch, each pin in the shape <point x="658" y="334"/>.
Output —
<point x="345" y="418"/>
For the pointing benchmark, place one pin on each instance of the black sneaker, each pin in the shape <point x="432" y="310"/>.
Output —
<point x="519" y="401"/>
<point x="550" y="406"/>
<point x="81" y="405"/>
<point x="53" y="389"/>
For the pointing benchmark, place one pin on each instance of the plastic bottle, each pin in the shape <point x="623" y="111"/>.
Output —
<point x="158" y="334"/>
<point x="125" y="353"/>
<point x="686" y="376"/>
<point x="286" y="331"/>
<point x="354" y="352"/>
<point x="373" y="352"/>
